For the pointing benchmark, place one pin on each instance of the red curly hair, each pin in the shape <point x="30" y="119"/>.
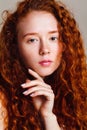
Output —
<point x="69" y="81"/>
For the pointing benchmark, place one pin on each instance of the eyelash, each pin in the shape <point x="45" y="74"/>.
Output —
<point x="32" y="40"/>
<point x="53" y="38"/>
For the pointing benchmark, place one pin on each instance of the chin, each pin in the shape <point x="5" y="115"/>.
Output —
<point x="45" y="74"/>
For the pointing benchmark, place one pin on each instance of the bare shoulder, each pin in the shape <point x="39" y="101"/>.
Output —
<point x="3" y="112"/>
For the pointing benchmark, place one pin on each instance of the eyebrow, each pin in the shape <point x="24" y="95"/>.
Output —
<point x="56" y="31"/>
<point x="29" y="34"/>
<point x="34" y="33"/>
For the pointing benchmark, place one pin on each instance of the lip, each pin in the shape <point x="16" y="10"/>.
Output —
<point x="45" y="63"/>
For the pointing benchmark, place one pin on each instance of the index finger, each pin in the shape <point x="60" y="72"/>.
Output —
<point x="33" y="73"/>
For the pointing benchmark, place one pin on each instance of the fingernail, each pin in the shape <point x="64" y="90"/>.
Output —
<point x="30" y="70"/>
<point x="23" y="85"/>
<point x="25" y="92"/>
<point x="32" y="94"/>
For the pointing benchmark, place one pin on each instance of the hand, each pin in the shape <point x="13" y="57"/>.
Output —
<point x="42" y="94"/>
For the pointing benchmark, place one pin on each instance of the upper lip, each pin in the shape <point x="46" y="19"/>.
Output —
<point x="47" y="60"/>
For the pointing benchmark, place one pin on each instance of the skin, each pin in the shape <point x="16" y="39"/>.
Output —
<point x="37" y="41"/>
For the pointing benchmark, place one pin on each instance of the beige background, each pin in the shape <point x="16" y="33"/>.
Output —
<point x="77" y="7"/>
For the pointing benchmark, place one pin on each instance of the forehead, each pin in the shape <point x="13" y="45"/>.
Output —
<point x="37" y="19"/>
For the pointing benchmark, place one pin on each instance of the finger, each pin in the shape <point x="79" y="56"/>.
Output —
<point x="37" y="88"/>
<point x="49" y="95"/>
<point x="33" y="73"/>
<point x="35" y="83"/>
<point x="28" y="80"/>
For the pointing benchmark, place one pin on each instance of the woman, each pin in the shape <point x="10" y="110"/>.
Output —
<point x="43" y="83"/>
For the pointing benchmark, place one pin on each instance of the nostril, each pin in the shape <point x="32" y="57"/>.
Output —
<point x="44" y="51"/>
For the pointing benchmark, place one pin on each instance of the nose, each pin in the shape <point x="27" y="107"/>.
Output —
<point x="44" y="48"/>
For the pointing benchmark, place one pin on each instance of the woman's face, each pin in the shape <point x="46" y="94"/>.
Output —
<point x="38" y="42"/>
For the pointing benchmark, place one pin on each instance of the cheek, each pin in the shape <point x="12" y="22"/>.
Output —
<point x="26" y="58"/>
<point x="27" y="55"/>
<point x="58" y="53"/>
<point x="23" y="49"/>
<point x="24" y="52"/>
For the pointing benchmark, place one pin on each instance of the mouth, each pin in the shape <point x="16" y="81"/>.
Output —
<point x="45" y="63"/>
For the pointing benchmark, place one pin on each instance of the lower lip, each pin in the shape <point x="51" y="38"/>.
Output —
<point x="45" y="64"/>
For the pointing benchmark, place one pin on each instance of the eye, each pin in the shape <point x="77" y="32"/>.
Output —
<point x="54" y="38"/>
<point x="32" y="40"/>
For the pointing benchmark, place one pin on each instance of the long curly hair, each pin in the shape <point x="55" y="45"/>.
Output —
<point x="69" y="81"/>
